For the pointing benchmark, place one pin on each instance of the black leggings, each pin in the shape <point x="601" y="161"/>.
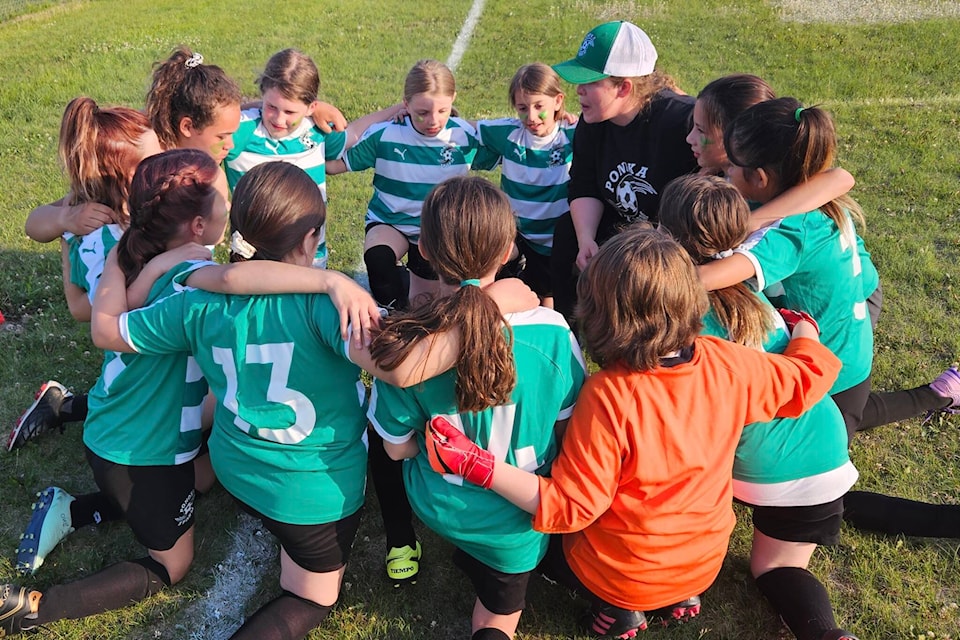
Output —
<point x="863" y="409"/>
<point x="895" y="516"/>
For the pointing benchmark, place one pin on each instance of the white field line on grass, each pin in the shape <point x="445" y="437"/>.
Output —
<point x="236" y="578"/>
<point x="220" y="613"/>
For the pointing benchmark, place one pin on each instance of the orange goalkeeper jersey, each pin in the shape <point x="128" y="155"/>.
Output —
<point x="643" y="483"/>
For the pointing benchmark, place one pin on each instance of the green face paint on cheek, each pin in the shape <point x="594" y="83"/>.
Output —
<point x="217" y="149"/>
<point x="705" y="141"/>
<point x="419" y="118"/>
<point x="543" y="115"/>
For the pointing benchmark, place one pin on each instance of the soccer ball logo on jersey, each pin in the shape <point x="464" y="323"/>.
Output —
<point x="588" y="42"/>
<point x="446" y="155"/>
<point x="557" y="156"/>
<point x="624" y="183"/>
<point x="307" y="141"/>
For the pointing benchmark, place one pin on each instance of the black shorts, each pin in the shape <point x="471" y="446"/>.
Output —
<point x="819" y="524"/>
<point x="536" y="274"/>
<point x="319" y="548"/>
<point x="501" y="593"/>
<point x="416" y="263"/>
<point x="157" y="501"/>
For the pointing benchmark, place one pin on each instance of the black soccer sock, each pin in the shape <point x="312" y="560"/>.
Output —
<point x="93" y="508"/>
<point x="286" y="617"/>
<point x="115" y="587"/>
<point x="886" y="514"/>
<point x="386" y="277"/>
<point x="489" y="633"/>
<point x="387" y="475"/>
<point x="74" y="409"/>
<point x="800" y="600"/>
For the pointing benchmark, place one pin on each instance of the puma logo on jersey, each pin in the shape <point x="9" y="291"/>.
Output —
<point x="400" y="153"/>
<point x="86" y="250"/>
<point x="521" y="152"/>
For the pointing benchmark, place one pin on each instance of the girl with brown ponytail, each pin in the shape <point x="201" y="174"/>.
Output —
<point x="498" y="396"/>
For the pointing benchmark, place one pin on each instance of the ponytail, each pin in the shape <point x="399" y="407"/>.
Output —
<point x="184" y="87"/>
<point x="792" y="143"/>
<point x="708" y="216"/>
<point x="168" y="191"/>
<point x="467" y="228"/>
<point x="99" y="149"/>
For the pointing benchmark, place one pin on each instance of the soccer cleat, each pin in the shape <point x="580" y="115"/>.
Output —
<point x="608" y="621"/>
<point x="838" y="634"/>
<point x="677" y="613"/>
<point x="947" y="385"/>
<point x="18" y="605"/>
<point x="43" y="415"/>
<point x="49" y="524"/>
<point x="403" y="564"/>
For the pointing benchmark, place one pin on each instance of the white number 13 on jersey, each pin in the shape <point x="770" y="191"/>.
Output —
<point x="280" y="355"/>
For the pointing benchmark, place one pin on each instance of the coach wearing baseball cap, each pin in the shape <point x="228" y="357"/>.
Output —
<point x="629" y="143"/>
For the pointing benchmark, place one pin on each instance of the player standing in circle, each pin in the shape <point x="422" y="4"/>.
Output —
<point x="535" y="149"/>
<point x="409" y="158"/>
<point x="629" y="144"/>
<point x="285" y="128"/>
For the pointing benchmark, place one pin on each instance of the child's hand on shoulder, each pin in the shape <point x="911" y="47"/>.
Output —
<point x="328" y="118"/>
<point x="87" y="217"/>
<point x="359" y="312"/>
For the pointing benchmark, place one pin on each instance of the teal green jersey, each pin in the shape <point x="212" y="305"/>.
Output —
<point x="807" y="263"/>
<point x="88" y="254"/>
<point x="534" y="174"/>
<point x="790" y="462"/>
<point x="286" y="440"/>
<point x="550" y="371"/>
<point x="407" y="165"/>
<point x="307" y="147"/>
<point x="145" y="410"/>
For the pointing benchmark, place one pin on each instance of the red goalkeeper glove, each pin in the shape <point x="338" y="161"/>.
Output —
<point x="792" y="317"/>
<point x="450" y="451"/>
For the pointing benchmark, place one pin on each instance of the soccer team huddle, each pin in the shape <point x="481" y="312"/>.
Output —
<point x="702" y="251"/>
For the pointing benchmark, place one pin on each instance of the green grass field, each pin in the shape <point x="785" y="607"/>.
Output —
<point x="894" y="90"/>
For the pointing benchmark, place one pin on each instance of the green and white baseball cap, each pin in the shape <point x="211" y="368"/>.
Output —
<point x="620" y="49"/>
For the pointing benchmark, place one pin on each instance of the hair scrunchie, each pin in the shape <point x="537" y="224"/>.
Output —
<point x="240" y="246"/>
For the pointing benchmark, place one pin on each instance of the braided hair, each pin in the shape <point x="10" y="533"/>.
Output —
<point x="168" y="191"/>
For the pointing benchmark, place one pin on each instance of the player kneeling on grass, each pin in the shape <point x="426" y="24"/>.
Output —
<point x="516" y="380"/>
<point x="642" y="484"/>
<point x="286" y="443"/>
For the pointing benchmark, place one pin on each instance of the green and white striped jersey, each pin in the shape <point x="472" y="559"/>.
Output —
<point x="407" y="165"/>
<point x="534" y="174"/>
<point x="88" y="254"/>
